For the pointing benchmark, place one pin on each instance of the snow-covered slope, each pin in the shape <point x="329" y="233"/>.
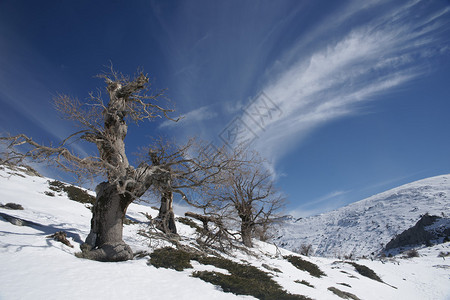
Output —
<point x="366" y="226"/>
<point x="33" y="266"/>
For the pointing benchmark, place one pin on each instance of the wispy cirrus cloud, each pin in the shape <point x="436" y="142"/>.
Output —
<point x="334" y="80"/>
<point x="200" y="114"/>
<point x="327" y="202"/>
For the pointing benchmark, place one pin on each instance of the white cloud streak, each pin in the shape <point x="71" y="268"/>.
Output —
<point x="327" y="202"/>
<point x="327" y="197"/>
<point x="200" y="114"/>
<point x="330" y="83"/>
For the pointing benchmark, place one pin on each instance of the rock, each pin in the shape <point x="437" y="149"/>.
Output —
<point x="420" y="234"/>
<point x="13" y="206"/>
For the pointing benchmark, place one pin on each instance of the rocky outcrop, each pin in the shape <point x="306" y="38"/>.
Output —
<point x="12" y="206"/>
<point x="427" y="229"/>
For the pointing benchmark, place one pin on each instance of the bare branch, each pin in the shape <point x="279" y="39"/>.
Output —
<point x="58" y="156"/>
<point x="139" y="101"/>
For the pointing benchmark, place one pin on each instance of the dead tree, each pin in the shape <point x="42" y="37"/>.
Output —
<point x="189" y="170"/>
<point x="105" y="125"/>
<point x="248" y="193"/>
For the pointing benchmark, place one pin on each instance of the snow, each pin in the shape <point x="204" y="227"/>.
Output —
<point x="35" y="267"/>
<point x="366" y="226"/>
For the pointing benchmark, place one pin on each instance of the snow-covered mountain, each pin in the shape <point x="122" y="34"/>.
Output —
<point x="34" y="266"/>
<point x="363" y="228"/>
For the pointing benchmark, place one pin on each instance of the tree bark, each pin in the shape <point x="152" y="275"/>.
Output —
<point x="246" y="233"/>
<point x="104" y="242"/>
<point x="166" y="217"/>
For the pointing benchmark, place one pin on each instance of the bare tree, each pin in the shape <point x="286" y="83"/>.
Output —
<point x="247" y="193"/>
<point x="305" y="249"/>
<point x="189" y="171"/>
<point x="105" y="126"/>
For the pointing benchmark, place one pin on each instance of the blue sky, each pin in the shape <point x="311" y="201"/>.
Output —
<point x="344" y="98"/>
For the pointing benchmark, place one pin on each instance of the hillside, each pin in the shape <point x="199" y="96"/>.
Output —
<point x="33" y="266"/>
<point x="363" y="228"/>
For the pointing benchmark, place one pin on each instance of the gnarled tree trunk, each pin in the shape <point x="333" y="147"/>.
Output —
<point x="104" y="242"/>
<point x="245" y="213"/>
<point x="246" y="233"/>
<point x="166" y="217"/>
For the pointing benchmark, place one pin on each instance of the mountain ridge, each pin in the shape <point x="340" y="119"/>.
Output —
<point x="364" y="227"/>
